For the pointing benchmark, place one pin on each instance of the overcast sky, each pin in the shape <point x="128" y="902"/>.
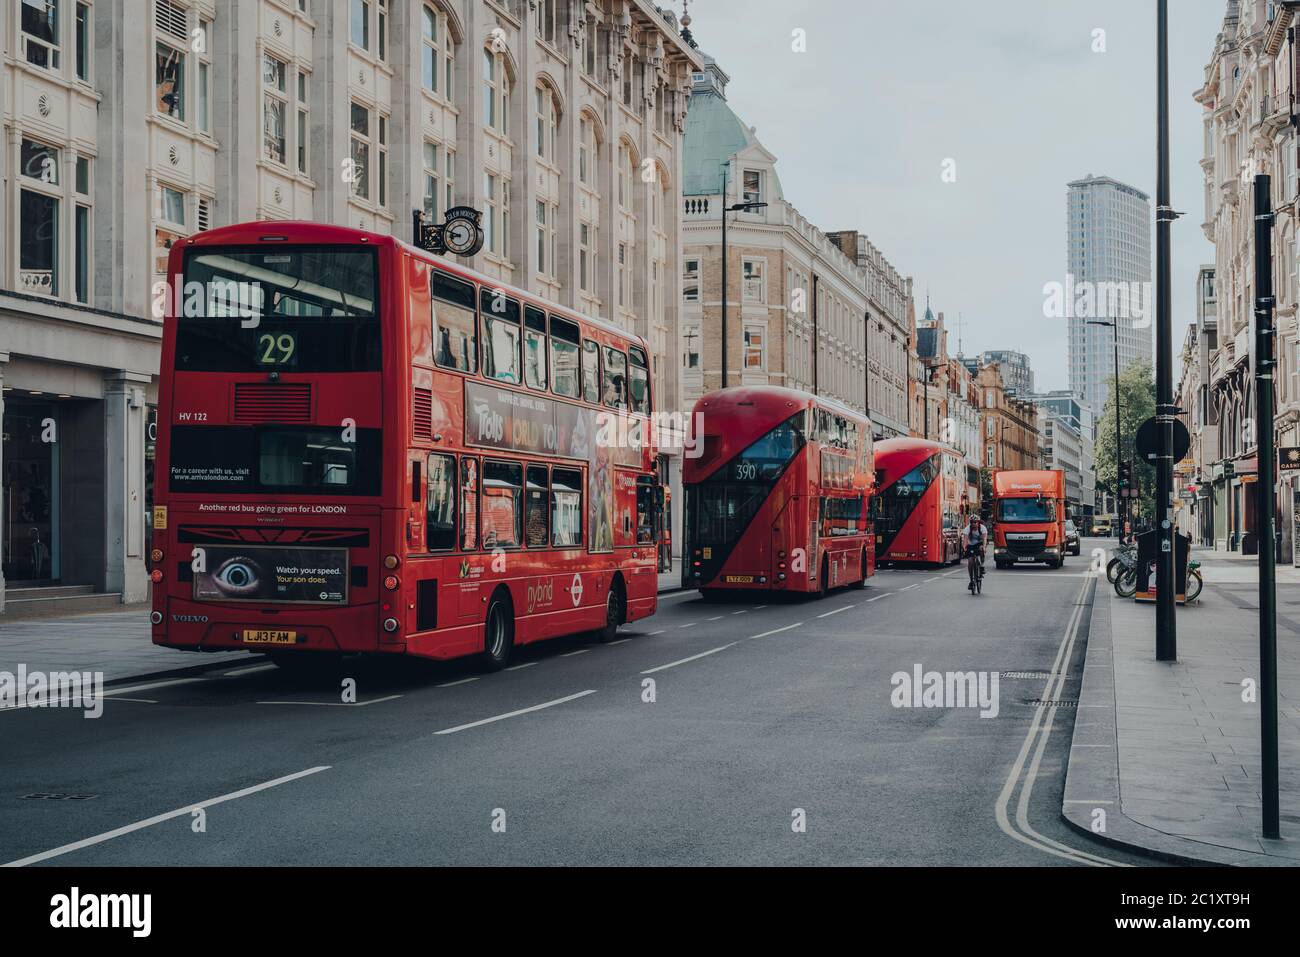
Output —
<point x="862" y="123"/>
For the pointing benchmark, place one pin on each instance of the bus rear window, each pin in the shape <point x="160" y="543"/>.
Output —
<point x="235" y="460"/>
<point x="290" y="308"/>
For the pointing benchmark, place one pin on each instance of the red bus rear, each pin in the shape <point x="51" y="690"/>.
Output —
<point x="918" y="509"/>
<point x="777" y="499"/>
<point x="364" y="448"/>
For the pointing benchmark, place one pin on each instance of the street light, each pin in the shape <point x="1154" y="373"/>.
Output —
<point x="734" y="208"/>
<point x="1114" y="326"/>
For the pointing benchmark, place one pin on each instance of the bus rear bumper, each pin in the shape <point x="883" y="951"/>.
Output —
<point x="196" y="626"/>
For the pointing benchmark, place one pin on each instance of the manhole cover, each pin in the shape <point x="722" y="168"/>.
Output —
<point x="58" y="797"/>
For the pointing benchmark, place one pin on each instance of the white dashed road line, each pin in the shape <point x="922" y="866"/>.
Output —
<point x="248" y="671"/>
<point x="878" y="597"/>
<point x="580" y="651"/>
<point x="526" y="664"/>
<point x="515" y="714"/>
<point x="682" y="661"/>
<point x="837" y="611"/>
<point x="462" y="681"/>
<point x="776" y="631"/>
<point x="159" y="818"/>
<point x="337" y="704"/>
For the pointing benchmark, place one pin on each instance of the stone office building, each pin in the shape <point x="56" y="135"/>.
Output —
<point x="129" y="125"/>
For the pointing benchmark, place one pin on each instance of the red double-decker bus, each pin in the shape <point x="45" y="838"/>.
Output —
<point x="364" y="448"/>
<point x="918" y="509"/>
<point x="777" y="499"/>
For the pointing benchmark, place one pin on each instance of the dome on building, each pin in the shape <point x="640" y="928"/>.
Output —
<point x="714" y="134"/>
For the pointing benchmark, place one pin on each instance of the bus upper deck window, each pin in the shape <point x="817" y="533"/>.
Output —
<point x="564" y="358"/>
<point x="455" y="322"/>
<point x="590" y="371"/>
<point x="638" y="380"/>
<point x="500" y="336"/>
<point x="535" y="348"/>
<point x="615" y="379"/>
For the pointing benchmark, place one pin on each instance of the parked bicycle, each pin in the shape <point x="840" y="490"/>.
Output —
<point x="1125" y="557"/>
<point x="1126" y="580"/>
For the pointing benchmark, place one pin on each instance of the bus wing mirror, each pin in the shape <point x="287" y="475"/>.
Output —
<point x="659" y="496"/>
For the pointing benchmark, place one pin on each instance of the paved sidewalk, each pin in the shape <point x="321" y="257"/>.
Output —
<point x="116" y="643"/>
<point x="1169" y="751"/>
<point x="1234" y="567"/>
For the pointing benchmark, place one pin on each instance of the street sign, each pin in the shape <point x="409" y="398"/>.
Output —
<point x="1288" y="458"/>
<point x="1147" y="440"/>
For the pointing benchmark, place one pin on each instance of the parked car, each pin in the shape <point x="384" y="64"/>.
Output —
<point x="1071" y="537"/>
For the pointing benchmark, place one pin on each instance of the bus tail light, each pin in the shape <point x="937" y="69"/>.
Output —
<point x="391" y="583"/>
<point x="156" y="576"/>
<point x="156" y="555"/>
<point x="390" y="625"/>
<point x="391" y="562"/>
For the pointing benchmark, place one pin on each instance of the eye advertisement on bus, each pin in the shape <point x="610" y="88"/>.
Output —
<point x="275" y="574"/>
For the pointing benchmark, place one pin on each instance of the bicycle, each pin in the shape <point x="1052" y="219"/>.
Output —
<point x="975" y="568"/>
<point x="1126" y="583"/>
<point x="1125" y="557"/>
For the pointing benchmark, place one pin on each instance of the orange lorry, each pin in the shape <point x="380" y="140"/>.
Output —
<point x="1029" y="517"/>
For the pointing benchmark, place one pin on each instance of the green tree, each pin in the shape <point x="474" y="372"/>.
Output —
<point x="1137" y="391"/>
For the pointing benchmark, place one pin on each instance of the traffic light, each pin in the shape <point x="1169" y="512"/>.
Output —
<point x="1125" y="480"/>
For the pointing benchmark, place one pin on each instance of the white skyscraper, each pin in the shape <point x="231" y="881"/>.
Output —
<point x="1108" y="242"/>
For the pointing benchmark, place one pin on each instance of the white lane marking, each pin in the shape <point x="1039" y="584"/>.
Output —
<point x="878" y="597"/>
<point x="159" y="818"/>
<point x="462" y="681"/>
<point x="741" y="612"/>
<point x="934" y="579"/>
<point x="659" y="632"/>
<point x="619" y="642"/>
<point x="682" y="661"/>
<point x="515" y="714"/>
<point x="248" y="671"/>
<point x="1043" y="719"/>
<point x="714" y="618"/>
<point x="759" y="607"/>
<point x="837" y="611"/>
<point x="906" y="587"/>
<point x="137" y="700"/>
<point x="112" y="692"/>
<point x="336" y="704"/>
<point x="687" y="625"/>
<point x="775" y="631"/>
<point x="526" y="664"/>
<point x="681" y="594"/>
<point x="1083" y="801"/>
<point x="580" y="651"/>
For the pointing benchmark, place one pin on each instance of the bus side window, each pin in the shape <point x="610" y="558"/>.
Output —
<point x="566" y="508"/>
<point x="440" y="503"/>
<point x="455" y="322"/>
<point x="469" y="504"/>
<point x="536" y="509"/>
<point x="590" y="371"/>
<point x="615" y="381"/>
<point x="502" y="504"/>
<point x="535" y="348"/>
<point x="645" y="510"/>
<point x="639" y="381"/>
<point x="564" y="358"/>
<point x="500" y="336"/>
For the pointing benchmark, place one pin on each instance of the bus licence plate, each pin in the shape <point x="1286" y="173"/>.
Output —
<point x="262" y="637"/>
<point x="739" y="579"/>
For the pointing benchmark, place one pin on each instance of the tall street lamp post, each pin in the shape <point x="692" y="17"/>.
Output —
<point x="1114" y="326"/>
<point x="734" y="208"/>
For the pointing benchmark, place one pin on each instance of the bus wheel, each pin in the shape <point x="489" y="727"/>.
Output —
<point x="862" y="582"/>
<point x="498" y="634"/>
<point x="615" y="612"/>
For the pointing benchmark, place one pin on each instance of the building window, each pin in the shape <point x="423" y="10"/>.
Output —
<point x="494" y="197"/>
<point x="547" y="21"/>
<point x="383" y="161"/>
<point x="204" y="66"/>
<point x="361" y="23"/>
<point x="752" y="186"/>
<point x="169" y="81"/>
<point x="545" y="230"/>
<point x="429" y="49"/>
<point x="586" y="257"/>
<point x="82" y="43"/>
<point x="691" y="281"/>
<point x="590" y="37"/>
<point x="381" y="29"/>
<point x="274" y="107"/>
<point x="39" y="232"/>
<point x="587" y="152"/>
<point x="691" y="358"/>
<point x="622" y="274"/>
<point x="548" y="120"/>
<point x="755" y="352"/>
<point x="302" y="121"/>
<point x="432" y="179"/>
<point x="496" y="93"/>
<point x="169" y="224"/>
<point x="40" y="26"/>
<point x="753" y="287"/>
<point x="360" y="124"/>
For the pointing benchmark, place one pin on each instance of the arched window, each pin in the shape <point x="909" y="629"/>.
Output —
<point x="436" y="52"/>
<point x="496" y="92"/>
<point x="547" y="122"/>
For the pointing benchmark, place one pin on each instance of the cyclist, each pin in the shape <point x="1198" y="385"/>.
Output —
<point x="974" y="538"/>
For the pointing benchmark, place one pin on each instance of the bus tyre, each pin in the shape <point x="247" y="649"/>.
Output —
<point x="615" y="611"/>
<point x="862" y="582"/>
<point x="498" y="633"/>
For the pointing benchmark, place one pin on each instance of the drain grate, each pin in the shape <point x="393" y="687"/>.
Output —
<point x="58" y="797"/>
<point x="1025" y="674"/>
<point x="1062" y="703"/>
